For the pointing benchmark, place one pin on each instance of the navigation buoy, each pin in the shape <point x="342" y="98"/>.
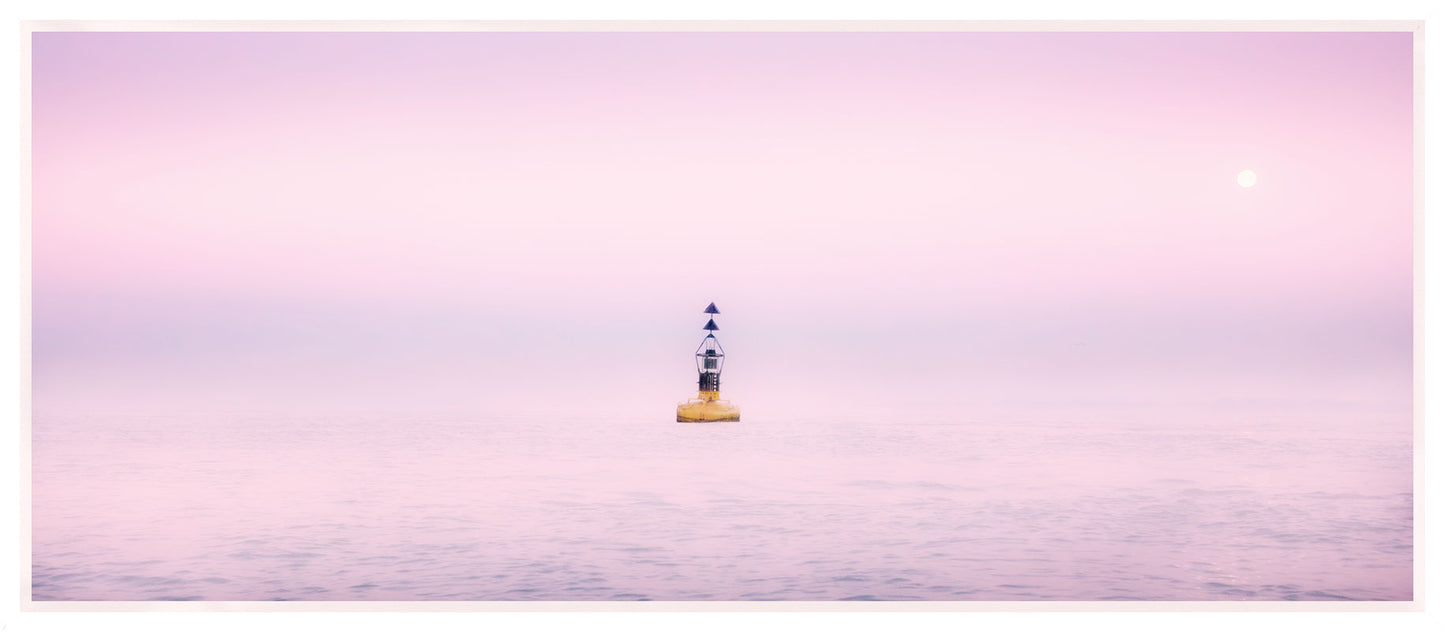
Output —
<point x="707" y="406"/>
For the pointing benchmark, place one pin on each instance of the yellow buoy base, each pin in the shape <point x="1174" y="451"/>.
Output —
<point x="707" y="407"/>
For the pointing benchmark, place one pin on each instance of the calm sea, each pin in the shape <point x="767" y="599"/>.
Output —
<point x="532" y="508"/>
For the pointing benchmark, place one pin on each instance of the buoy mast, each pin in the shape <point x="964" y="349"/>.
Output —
<point x="710" y="358"/>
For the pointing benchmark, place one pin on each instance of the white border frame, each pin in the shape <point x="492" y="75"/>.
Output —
<point x="1345" y="611"/>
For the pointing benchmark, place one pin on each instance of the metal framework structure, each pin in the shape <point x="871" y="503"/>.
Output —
<point x="710" y="356"/>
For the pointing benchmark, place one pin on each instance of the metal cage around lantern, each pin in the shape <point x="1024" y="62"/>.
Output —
<point x="710" y="355"/>
<point x="710" y="359"/>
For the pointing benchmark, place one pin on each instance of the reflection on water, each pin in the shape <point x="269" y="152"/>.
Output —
<point x="132" y="508"/>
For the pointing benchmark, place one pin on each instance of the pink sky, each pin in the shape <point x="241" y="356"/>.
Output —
<point x="530" y="221"/>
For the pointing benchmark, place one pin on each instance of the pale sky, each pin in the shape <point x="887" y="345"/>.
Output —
<point x="498" y="222"/>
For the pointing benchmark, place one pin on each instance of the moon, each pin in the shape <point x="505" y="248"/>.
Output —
<point x="1246" y="178"/>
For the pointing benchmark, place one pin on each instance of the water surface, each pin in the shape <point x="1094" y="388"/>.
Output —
<point x="532" y="508"/>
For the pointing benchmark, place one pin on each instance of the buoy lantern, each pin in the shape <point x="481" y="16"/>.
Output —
<point x="708" y="406"/>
